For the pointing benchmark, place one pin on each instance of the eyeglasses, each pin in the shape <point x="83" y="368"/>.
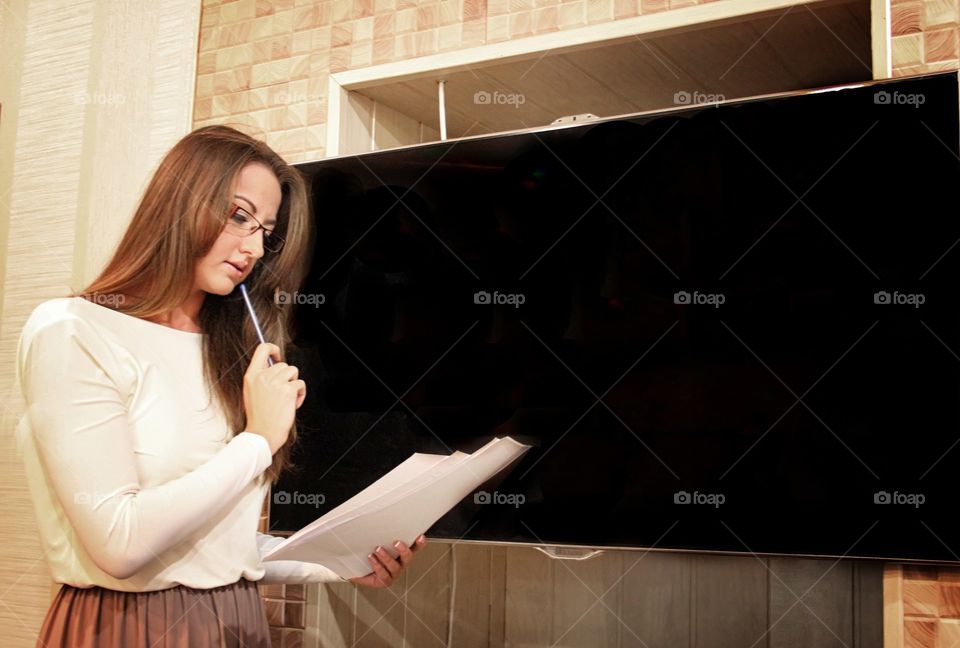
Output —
<point x="240" y="223"/>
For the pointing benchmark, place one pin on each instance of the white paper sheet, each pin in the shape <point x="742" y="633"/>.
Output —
<point x="400" y="505"/>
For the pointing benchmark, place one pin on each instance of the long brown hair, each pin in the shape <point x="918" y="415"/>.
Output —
<point x="180" y="216"/>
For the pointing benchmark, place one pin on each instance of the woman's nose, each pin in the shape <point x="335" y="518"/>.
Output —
<point x="253" y="244"/>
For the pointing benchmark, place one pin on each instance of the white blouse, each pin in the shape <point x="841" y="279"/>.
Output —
<point x="137" y="482"/>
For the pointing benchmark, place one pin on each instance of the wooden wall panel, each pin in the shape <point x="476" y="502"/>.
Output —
<point x="515" y="596"/>
<point x="92" y="94"/>
<point x="657" y="600"/>
<point x="380" y="616"/>
<point x="587" y="601"/>
<point x="730" y="601"/>
<point x="867" y="605"/>
<point x="529" y="599"/>
<point x="427" y="598"/>
<point x="369" y="125"/>
<point x="811" y="603"/>
<point x="330" y="620"/>
<point x="472" y="605"/>
<point x="921" y="607"/>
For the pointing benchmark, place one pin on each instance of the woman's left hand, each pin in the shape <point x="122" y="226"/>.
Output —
<point x="386" y="568"/>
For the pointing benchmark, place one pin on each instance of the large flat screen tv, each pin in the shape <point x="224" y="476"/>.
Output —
<point x="729" y="327"/>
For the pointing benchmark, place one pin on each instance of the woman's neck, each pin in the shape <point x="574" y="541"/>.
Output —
<point x="186" y="316"/>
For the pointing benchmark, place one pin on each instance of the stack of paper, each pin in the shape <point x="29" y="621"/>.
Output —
<point x="400" y="505"/>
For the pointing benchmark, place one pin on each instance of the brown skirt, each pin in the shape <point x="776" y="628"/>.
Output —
<point x="180" y="617"/>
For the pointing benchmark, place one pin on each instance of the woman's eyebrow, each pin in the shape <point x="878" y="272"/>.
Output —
<point x="249" y="202"/>
<point x="270" y="222"/>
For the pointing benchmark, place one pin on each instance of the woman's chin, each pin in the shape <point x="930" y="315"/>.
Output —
<point x="223" y="287"/>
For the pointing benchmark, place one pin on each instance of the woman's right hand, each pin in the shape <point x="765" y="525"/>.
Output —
<point x="271" y="395"/>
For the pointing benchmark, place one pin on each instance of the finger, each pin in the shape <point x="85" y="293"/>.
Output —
<point x="406" y="555"/>
<point x="419" y="543"/>
<point x="282" y="372"/>
<point x="301" y="392"/>
<point x="388" y="561"/>
<point x="262" y="352"/>
<point x="286" y="372"/>
<point x="380" y="571"/>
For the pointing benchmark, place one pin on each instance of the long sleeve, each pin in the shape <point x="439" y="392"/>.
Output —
<point x="292" y="571"/>
<point x="74" y="389"/>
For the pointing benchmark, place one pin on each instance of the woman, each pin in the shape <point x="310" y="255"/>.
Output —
<point x="154" y="423"/>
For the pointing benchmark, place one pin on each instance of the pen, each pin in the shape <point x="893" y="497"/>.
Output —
<point x="253" y="317"/>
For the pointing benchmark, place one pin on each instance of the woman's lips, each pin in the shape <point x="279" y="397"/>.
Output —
<point x="233" y="269"/>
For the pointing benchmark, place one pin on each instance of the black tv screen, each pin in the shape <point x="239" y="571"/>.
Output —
<point x="729" y="327"/>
